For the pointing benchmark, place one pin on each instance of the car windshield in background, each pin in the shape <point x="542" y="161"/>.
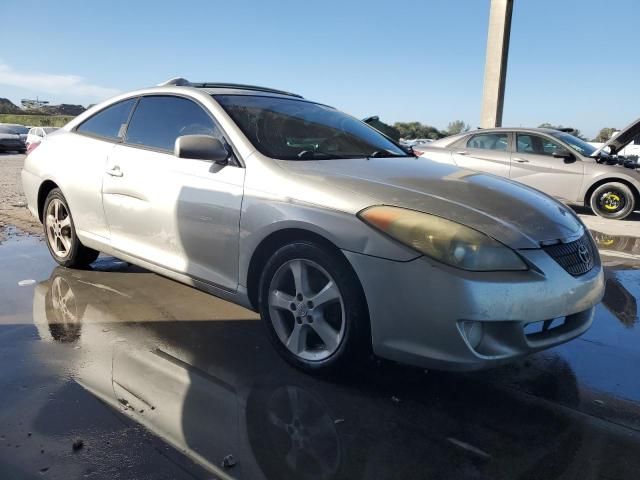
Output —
<point x="8" y="130"/>
<point x="580" y="146"/>
<point x="291" y="129"/>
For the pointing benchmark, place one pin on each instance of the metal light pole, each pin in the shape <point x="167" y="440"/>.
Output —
<point x="495" y="69"/>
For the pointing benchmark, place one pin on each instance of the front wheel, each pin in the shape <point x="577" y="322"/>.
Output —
<point x="60" y="233"/>
<point x="313" y="307"/>
<point x="613" y="200"/>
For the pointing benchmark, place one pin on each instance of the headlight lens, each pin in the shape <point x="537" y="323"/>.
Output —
<point x="442" y="239"/>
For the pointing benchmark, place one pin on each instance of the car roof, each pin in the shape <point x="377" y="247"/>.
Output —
<point x="224" y="88"/>
<point x="516" y="129"/>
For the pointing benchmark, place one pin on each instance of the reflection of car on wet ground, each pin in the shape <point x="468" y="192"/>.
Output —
<point x="184" y="372"/>
<point x="552" y="161"/>
<point x="338" y="237"/>
<point x="617" y="245"/>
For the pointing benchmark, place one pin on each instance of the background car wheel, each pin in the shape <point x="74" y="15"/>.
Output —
<point x="60" y="233"/>
<point x="313" y="307"/>
<point x="613" y="200"/>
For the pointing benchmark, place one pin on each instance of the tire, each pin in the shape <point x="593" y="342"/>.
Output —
<point x="60" y="233"/>
<point x="332" y="333"/>
<point x="613" y="200"/>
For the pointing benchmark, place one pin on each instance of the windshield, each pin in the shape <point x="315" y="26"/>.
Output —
<point x="10" y="130"/>
<point x="291" y="129"/>
<point x="580" y="146"/>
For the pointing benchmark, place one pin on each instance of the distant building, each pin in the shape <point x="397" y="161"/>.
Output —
<point x="33" y="104"/>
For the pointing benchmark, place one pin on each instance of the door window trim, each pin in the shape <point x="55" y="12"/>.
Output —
<point x="236" y="161"/>
<point x="544" y="137"/>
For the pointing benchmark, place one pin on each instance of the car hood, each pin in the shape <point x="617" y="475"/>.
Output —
<point x="621" y="140"/>
<point x="516" y="215"/>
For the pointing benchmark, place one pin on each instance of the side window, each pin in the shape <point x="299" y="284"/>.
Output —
<point x="636" y="140"/>
<point x="489" y="141"/>
<point x="108" y="123"/>
<point x="525" y="144"/>
<point x="158" y="121"/>
<point x="40" y="132"/>
<point x="536" y="145"/>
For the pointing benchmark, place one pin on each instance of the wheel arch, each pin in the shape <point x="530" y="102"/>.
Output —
<point x="634" y="188"/>
<point x="271" y="243"/>
<point x="43" y="191"/>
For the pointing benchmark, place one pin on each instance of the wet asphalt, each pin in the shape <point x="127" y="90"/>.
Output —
<point x="115" y="372"/>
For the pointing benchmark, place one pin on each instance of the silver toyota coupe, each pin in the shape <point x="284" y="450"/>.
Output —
<point x="344" y="242"/>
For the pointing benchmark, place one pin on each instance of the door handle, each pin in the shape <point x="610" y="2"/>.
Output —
<point x="115" y="172"/>
<point x="462" y="152"/>
<point x="520" y="160"/>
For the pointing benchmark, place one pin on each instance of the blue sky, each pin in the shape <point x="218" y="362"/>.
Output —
<point x="411" y="60"/>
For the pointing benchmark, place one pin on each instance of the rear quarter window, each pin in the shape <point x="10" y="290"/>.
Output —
<point x="109" y="123"/>
<point x="489" y="141"/>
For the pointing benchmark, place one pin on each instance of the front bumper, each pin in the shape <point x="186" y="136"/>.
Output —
<point x="12" y="145"/>
<point x="430" y="315"/>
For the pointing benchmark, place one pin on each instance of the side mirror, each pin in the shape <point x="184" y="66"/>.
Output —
<point x="201" y="147"/>
<point x="564" y="154"/>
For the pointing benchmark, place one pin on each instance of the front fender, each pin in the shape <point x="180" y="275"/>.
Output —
<point x="616" y="174"/>
<point x="261" y="218"/>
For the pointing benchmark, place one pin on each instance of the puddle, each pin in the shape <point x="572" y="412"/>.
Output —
<point x="198" y="374"/>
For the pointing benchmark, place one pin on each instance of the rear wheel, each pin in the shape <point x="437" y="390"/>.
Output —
<point x="613" y="200"/>
<point x="312" y="305"/>
<point x="60" y="232"/>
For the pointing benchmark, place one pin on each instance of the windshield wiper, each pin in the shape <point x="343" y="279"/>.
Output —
<point x="383" y="154"/>
<point x="310" y="154"/>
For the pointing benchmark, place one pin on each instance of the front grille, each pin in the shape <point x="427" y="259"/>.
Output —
<point x="576" y="257"/>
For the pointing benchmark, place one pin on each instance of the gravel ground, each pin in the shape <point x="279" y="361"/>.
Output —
<point x="13" y="205"/>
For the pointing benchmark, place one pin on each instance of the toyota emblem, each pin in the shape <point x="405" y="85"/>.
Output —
<point x="584" y="254"/>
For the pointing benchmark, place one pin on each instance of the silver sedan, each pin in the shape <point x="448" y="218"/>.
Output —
<point x="343" y="242"/>
<point x="553" y="161"/>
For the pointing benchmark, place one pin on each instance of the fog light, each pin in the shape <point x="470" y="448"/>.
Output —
<point x="473" y="332"/>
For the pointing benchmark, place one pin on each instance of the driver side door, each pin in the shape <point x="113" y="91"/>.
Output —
<point x="179" y="213"/>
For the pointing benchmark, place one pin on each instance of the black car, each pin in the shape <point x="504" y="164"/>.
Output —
<point x="11" y="139"/>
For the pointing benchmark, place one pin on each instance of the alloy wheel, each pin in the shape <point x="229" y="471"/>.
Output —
<point x="58" y="223"/>
<point x="306" y="309"/>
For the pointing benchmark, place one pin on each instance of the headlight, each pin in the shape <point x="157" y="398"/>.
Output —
<point x="442" y="239"/>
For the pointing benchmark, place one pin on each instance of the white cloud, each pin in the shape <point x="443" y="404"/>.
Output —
<point x="68" y="86"/>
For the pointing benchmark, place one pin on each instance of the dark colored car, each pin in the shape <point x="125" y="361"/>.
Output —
<point x="11" y="139"/>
